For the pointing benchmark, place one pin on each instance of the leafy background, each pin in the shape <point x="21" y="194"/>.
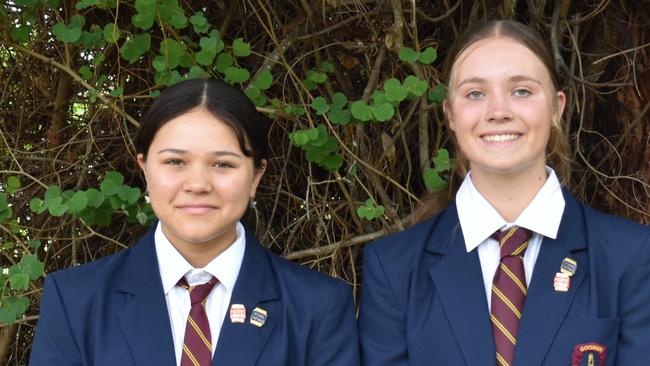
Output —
<point x="354" y="90"/>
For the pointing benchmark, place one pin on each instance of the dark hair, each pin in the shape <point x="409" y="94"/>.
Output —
<point x="558" y="149"/>
<point x="222" y="100"/>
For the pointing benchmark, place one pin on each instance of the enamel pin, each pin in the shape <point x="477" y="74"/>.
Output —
<point x="237" y="313"/>
<point x="562" y="280"/>
<point x="258" y="317"/>
<point x="594" y="354"/>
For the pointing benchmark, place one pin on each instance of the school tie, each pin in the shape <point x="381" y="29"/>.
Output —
<point x="197" y="345"/>
<point x="508" y="292"/>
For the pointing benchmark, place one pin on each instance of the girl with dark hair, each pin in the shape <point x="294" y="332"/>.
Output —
<point x="198" y="289"/>
<point x="514" y="271"/>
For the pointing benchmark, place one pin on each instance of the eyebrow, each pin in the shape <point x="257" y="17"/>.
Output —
<point x="515" y="78"/>
<point x="215" y="153"/>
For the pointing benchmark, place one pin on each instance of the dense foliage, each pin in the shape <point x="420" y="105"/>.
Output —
<point x="354" y="90"/>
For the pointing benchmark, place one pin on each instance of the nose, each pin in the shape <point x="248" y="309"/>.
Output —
<point x="499" y="109"/>
<point x="197" y="180"/>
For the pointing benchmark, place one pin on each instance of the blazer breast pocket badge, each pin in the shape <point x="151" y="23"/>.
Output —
<point x="589" y="354"/>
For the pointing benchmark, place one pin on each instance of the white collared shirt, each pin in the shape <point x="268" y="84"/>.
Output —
<point x="172" y="266"/>
<point x="479" y="220"/>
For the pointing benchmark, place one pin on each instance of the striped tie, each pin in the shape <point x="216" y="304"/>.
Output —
<point x="197" y="345"/>
<point x="508" y="292"/>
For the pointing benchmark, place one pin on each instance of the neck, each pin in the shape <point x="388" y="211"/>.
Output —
<point x="509" y="193"/>
<point x="199" y="254"/>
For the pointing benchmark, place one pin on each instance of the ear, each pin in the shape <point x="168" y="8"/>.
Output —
<point x="141" y="164"/>
<point x="560" y="104"/>
<point x="446" y="108"/>
<point x="259" y="172"/>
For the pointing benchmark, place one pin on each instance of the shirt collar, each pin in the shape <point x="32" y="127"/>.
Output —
<point x="478" y="219"/>
<point x="172" y="266"/>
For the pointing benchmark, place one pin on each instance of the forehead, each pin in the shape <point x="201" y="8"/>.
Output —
<point x="194" y="128"/>
<point x="498" y="57"/>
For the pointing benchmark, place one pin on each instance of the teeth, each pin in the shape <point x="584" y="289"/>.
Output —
<point x="500" y="138"/>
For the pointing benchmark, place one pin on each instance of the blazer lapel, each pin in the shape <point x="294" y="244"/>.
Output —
<point x="240" y="343"/>
<point x="546" y="308"/>
<point x="459" y="282"/>
<point x="144" y="318"/>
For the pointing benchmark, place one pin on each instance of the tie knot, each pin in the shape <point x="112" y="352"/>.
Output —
<point x="513" y="242"/>
<point x="198" y="293"/>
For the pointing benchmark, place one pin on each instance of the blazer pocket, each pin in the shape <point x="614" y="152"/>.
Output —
<point x="576" y="331"/>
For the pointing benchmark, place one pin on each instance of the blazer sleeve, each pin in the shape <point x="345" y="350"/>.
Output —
<point x="382" y="322"/>
<point x="634" y="332"/>
<point x="53" y="341"/>
<point x="336" y="339"/>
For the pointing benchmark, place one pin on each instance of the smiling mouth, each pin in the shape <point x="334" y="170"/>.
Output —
<point x="501" y="138"/>
<point x="197" y="209"/>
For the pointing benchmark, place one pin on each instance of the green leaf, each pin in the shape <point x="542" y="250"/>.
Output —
<point x="383" y="112"/>
<point x="395" y="92"/>
<point x="111" y="183"/>
<point x="18" y="279"/>
<point x="332" y="162"/>
<point x="129" y="194"/>
<point x="407" y="54"/>
<point x="379" y="97"/>
<point x="12" y="308"/>
<point x="159" y="63"/>
<point x="142" y="218"/>
<point x="56" y="208"/>
<point x="78" y="202"/>
<point x="21" y="33"/>
<point x="438" y="94"/>
<point x="224" y="60"/>
<point x="234" y="75"/>
<point x="364" y="212"/>
<point x="85" y="4"/>
<point x="361" y="111"/>
<point x="415" y="86"/>
<point x="52" y="191"/>
<point x="326" y="66"/>
<point x="433" y="181"/>
<point x="111" y="33"/>
<point x="32" y="266"/>
<point x="209" y="50"/>
<point x="340" y="116"/>
<point x="428" y="56"/>
<point x="69" y="33"/>
<point x="36" y="205"/>
<point x="93" y="39"/>
<point x="135" y="47"/>
<point x="95" y="198"/>
<point x="339" y="100"/>
<point x="143" y="21"/>
<point x="34" y="244"/>
<point x="85" y="72"/>
<point x="320" y="105"/>
<point x="196" y="72"/>
<point x="441" y="161"/>
<point x="241" y="48"/>
<point x="199" y="23"/>
<point x="117" y="92"/>
<point x="13" y="184"/>
<point x="178" y="21"/>
<point x="264" y="80"/>
<point x="316" y="77"/>
<point x="172" y="51"/>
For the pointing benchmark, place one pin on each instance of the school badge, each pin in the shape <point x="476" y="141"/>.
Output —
<point x="258" y="317"/>
<point x="589" y="354"/>
<point x="237" y="313"/>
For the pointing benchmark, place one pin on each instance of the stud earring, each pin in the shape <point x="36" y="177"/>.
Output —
<point x="252" y="204"/>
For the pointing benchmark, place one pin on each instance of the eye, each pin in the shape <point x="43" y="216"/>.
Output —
<point x="475" y="95"/>
<point x="174" y="162"/>
<point x="521" y="92"/>
<point x="223" y="164"/>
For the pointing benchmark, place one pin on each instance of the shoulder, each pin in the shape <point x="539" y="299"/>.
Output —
<point x="296" y="278"/>
<point x="613" y="232"/>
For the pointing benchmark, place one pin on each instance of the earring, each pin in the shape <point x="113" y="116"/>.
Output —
<point x="147" y="200"/>
<point x="252" y="204"/>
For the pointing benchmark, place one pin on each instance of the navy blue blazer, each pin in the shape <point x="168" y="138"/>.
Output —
<point x="423" y="299"/>
<point x="113" y="312"/>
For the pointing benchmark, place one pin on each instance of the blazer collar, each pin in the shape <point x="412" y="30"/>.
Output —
<point x="546" y="308"/>
<point x="144" y="318"/>
<point x="256" y="287"/>
<point x="458" y="279"/>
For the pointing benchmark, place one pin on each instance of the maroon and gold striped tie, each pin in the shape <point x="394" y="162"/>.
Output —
<point x="508" y="292"/>
<point x="197" y="345"/>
